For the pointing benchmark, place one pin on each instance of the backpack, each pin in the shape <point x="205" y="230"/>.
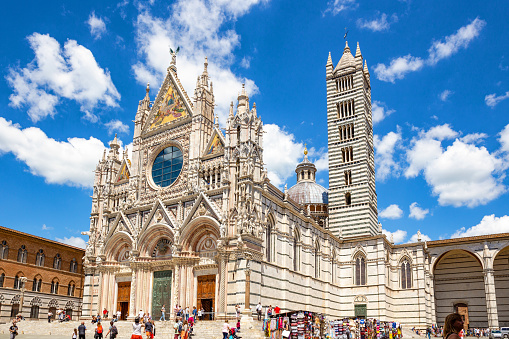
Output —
<point x="114" y="331"/>
<point x="180" y="327"/>
<point x="100" y="330"/>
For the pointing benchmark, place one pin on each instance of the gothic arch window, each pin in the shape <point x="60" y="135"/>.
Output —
<point x="39" y="258"/>
<point x="18" y="284"/>
<point x="360" y="270"/>
<point x="268" y="242"/>
<point x="317" y="259"/>
<point x="238" y="135"/>
<point x="70" y="289"/>
<point x="73" y="266"/>
<point x="57" y="261"/>
<point x="4" y="253"/>
<point x="406" y="274"/>
<point x="348" y="198"/>
<point x="54" y="286"/>
<point x="22" y="254"/>
<point x="296" y="250"/>
<point x="2" y="279"/>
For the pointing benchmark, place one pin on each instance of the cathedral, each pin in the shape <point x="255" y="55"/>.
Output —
<point x="191" y="219"/>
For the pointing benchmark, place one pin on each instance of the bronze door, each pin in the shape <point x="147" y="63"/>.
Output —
<point x="161" y="293"/>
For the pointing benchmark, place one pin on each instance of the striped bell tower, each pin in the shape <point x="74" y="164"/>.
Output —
<point x="352" y="193"/>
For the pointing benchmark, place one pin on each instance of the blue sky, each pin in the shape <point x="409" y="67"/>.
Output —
<point x="73" y="73"/>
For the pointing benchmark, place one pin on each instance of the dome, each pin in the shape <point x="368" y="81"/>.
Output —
<point x="309" y="192"/>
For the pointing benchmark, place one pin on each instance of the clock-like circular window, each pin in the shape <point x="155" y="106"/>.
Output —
<point x="167" y="166"/>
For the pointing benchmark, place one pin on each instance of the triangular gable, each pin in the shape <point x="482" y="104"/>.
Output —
<point x="157" y="215"/>
<point x="216" y="145"/>
<point x="203" y="200"/>
<point x="121" y="223"/>
<point x="171" y="106"/>
<point x="125" y="171"/>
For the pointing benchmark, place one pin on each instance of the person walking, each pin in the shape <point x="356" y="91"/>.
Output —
<point x="149" y="329"/>
<point x="112" y="331"/>
<point x="195" y="312"/>
<point x="453" y="325"/>
<point x="13" y="330"/>
<point x="259" y="310"/>
<point x="75" y="334"/>
<point x="137" y="329"/>
<point x="50" y="315"/>
<point x="163" y="310"/>
<point x="226" y="329"/>
<point x="81" y="330"/>
<point x="177" y="328"/>
<point x="99" y="331"/>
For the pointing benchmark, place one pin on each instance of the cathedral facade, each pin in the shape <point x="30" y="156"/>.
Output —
<point x="192" y="220"/>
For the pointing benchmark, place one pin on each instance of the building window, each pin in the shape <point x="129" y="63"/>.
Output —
<point x="406" y="275"/>
<point x="70" y="289"/>
<point x="4" y="253"/>
<point x="73" y="266"/>
<point x="348" y="177"/>
<point x="54" y="287"/>
<point x="22" y="254"/>
<point x="167" y="166"/>
<point x="360" y="271"/>
<point x="39" y="258"/>
<point x="268" y="242"/>
<point x="17" y="282"/>
<point x="296" y="252"/>
<point x="348" y="198"/>
<point x="2" y="279"/>
<point x="57" y="261"/>
<point x="36" y="285"/>
<point x="332" y="260"/>
<point x="317" y="260"/>
<point x="34" y="312"/>
<point x="238" y="135"/>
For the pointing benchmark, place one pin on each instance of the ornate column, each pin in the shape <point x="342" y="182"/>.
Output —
<point x="222" y="282"/>
<point x="247" y="296"/>
<point x="176" y="293"/>
<point x="432" y="298"/>
<point x="132" y="299"/>
<point x="491" y="297"/>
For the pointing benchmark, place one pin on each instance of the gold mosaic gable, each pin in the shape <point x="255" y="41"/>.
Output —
<point x="170" y="106"/>
<point x="124" y="173"/>
<point x="216" y="146"/>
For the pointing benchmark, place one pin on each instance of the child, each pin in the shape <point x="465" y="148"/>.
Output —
<point x="238" y="325"/>
<point x="75" y="334"/>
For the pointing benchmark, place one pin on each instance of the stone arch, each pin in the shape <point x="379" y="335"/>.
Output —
<point x="438" y="256"/>
<point x="2" y="299"/>
<point x="53" y="303"/>
<point x="69" y="305"/>
<point x="197" y="228"/>
<point x="16" y="299"/>
<point x="500" y="273"/>
<point x="459" y="278"/>
<point x="116" y="244"/>
<point x="36" y="301"/>
<point x="151" y="236"/>
<point x="359" y="251"/>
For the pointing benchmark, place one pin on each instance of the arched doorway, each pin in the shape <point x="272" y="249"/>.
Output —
<point x="459" y="287"/>
<point x="501" y="273"/>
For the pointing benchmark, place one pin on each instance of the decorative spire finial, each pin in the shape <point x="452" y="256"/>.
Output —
<point x="148" y="87"/>
<point x="305" y="149"/>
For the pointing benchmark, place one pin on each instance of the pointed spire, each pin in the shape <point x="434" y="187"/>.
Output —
<point x="216" y="121"/>
<point x="347" y="49"/>
<point x="145" y="103"/>
<point x="230" y="116"/>
<point x="358" y="51"/>
<point x="205" y="65"/>
<point x="114" y="143"/>
<point x="329" y="61"/>
<point x="211" y="89"/>
<point x="254" y="109"/>
<point x="366" y="67"/>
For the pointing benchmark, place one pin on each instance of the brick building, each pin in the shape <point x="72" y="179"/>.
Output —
<point x="37" y="275"/>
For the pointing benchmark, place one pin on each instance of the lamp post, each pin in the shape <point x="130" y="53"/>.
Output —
<point x="22" y="280"/>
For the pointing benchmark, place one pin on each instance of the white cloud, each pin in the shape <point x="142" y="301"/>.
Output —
<point x="398" y="68"/>
<point x="96" y="25"/>
<point x="116" y="126"/>
<point x="322" y="163"/>
<point x="282" y="156"/>
<point x="398" y="236"/>
<point x="439" y="50"/>
<point x="391" y="212"/>
<point x="73" y="241"/>
<point x="492" y="100"/>
<point x="463" y="174"/>
<point x="246" y="62"/>
<point x="384" y="155"/>
<point x="70" y="162"/>
<point x="414" y="238"/>
<point x="473" y="138"/>
<point x="380" y="111"/>
<point x="445" y="95"/>
<point x="488" y="225"/>
<point x="451" y="44"/>
<point x="198" y="27"/>
<point x="378" y="24"/>
<point x="337" y="6"/>
<point x="416" y="212"/>
<point x="46" y="228"/>
<point x="72" y="74"/>
<point x="504" y="139"/>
